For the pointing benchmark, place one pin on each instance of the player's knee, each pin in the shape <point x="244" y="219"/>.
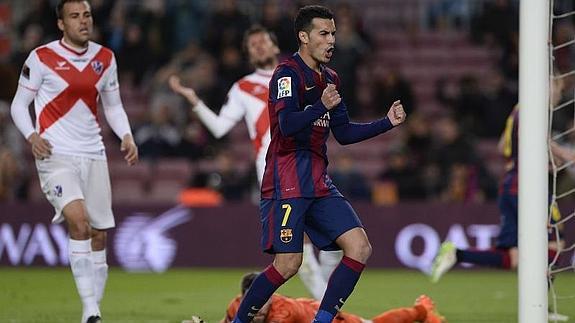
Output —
<point x="361" y="251"/>
<point x="288" y="264"/>
<point x="365" y="251"/>
<point x="79" y="229"/>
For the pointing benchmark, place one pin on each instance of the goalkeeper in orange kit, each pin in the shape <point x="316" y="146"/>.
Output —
<point x="282" y="309"/>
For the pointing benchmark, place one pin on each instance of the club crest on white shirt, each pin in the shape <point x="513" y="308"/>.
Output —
<point x="284" y="87"/>
<point x="97" y="66"/>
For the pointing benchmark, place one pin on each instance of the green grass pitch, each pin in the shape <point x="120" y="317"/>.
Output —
<point x="48" y="295"/>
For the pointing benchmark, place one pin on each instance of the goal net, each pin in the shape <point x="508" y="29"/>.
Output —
<point x="562" y="135"/>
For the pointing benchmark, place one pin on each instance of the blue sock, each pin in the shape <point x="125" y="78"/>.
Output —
<point x="340" y="286"/>
<point x="492" y="258"/>
<point x="258" y="294"/>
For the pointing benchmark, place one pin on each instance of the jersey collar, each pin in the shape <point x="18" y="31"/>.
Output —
<point x="73" y="50"/>
<point x="264" y="72"/>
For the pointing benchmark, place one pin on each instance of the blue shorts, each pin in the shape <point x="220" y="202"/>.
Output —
<point x="323" y="219"/>
<point x="508" y="206"/>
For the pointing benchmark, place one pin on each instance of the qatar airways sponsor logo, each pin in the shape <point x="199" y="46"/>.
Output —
<point x="483" y="234"/>
<point x="323" y="121"/>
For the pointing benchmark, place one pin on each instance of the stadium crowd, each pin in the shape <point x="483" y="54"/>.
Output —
<point x="447" y="150"/>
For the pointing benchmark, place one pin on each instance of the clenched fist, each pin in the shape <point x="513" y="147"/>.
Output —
<point x="330" y="97"/>
<point x="396" y="114"/>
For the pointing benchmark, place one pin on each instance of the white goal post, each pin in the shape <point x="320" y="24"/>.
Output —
<point x="533" y="159"/>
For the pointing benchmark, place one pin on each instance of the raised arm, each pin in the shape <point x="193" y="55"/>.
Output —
<point x="346" y="132"/>
<point x="219" y="125"/>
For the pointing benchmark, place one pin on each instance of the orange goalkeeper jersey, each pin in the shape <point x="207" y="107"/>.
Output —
<point x="291" y="310"/>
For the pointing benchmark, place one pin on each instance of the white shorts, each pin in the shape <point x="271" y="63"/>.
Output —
<point x="66" y="178"/>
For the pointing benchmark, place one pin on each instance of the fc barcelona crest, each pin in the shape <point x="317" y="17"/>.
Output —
<point x="97" y="66"/>
<point x="286" y="235"/>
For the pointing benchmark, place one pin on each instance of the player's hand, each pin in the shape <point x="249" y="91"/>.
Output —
<point x="130" y="148"/>
<point x="187" y="92"/>
<point x="41" y="148"/>
<point x="396" y="114"/>
<point x="330" y="97"/>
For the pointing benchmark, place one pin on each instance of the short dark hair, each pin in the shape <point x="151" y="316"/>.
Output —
<point x="60" y="6"/>
<point x="248" y="280"/>
<point x="306" y="14"/>
<point x="256" y="29"/>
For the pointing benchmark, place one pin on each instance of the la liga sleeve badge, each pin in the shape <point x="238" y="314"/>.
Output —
<point x="284" y="87"/>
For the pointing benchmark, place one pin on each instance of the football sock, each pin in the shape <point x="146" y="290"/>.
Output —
<point x="416" y="313"/>
<point x="79" y="252"/>
<point x="310" y="273"/>
<point x="493" y="258"/>
<point x="340" y="286"/>
<point x="100" y="273"/>
<point x="328" y="260"/>
<point x="261" y="290"/>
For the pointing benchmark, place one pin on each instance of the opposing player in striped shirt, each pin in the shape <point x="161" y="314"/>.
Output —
<point x="64" y="78"/>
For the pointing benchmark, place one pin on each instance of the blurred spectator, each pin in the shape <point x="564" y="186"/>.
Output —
<point x="467" y="103"/>
<point x="348" y="55"/>
<point x="159" y="137"/>
<point x="133" y="58"/>
<point x="275" y="20"/>
<point x="418" y="139"/>
<point x="40" y="13"/>
<point x="231" y="68"/>
<point x="497" y="21"/>
<point x="444" y="14"/>
<point x="390" y="88"/>
<point x="233" y="184"/>
<point x="500" y="102"/>
<point x="194" y="144"/>
<point x="188" y="20"/>
<point x="9" y="77"/>
<point x="349" y="180"/>
<point x="13" y="175"/>
<point x="226" y="27"/>
<point x="403" y="175"/>
<point x="462" y="175"/>
<point x="31" y="38"/>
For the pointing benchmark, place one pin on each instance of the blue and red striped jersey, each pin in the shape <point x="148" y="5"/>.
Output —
<point x="296" y="163"/>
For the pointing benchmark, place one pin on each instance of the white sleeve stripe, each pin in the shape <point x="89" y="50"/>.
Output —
<point x="28" y="88"/>
<point x="111" y="90"/>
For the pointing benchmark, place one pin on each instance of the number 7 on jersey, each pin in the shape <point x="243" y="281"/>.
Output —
<point x="287" y="207"/>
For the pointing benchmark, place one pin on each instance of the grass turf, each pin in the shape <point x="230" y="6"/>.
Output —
<point x="48" y="295"/>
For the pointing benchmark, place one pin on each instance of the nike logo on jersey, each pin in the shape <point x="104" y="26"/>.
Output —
<point x="309" y="88"/>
